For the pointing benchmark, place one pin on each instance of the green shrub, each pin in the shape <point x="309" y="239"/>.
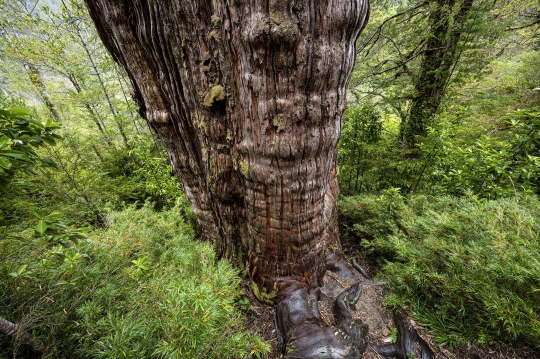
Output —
<point x="370" y="159"/>
<point x="143" y="289"/>
<point x="372" y="218"/>
<point x="490" y="166"/>
<point x="467" y="269"/>
<point x="361" y="131"/>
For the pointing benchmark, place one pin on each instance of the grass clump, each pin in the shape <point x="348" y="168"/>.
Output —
<point x="143" y="289"/>
<point x="469" y="270"/>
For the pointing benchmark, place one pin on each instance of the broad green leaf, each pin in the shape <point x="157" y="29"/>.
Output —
<point x="37" y="123"/>
<point x="5" y="163"/>
<point x="3" y="142"/>
<point x="54" y="215"/>
<point x="49" y="141"/>
<point x="15" y="154"/>
<point x="65" y="244"/>
<point x="41" y="226"/>
<point x="21" y="269"/>
<point x="18" y="111"/>
<point x="35" y="213"/>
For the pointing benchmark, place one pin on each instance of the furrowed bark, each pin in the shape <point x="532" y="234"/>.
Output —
<point x="247" y="97"/>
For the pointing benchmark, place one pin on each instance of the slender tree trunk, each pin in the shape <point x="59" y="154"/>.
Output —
<point x="37" y="81"/>
<point x="104" y="89"/>
<point x="436" y="68"/>
<point x="247" y="98"/>
<point x="350" y="184"/>
<point x="98" y="154"/>
<point x="356" y="181"/>
<point x="93" y="115"/>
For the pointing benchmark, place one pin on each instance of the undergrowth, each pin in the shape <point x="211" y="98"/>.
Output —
<point x="142" y="289"/>
<point x="467" y="269"/>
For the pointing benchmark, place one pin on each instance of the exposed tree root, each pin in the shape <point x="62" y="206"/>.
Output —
<point x="360" y="269"/>
<point x="303" y="334"/>
<point x="26" y="341"/>
<point x="408" y="343"/>
<point x="11" y="329"/>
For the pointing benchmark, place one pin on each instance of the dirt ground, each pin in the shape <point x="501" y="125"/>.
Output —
<point x="371" y="310"/>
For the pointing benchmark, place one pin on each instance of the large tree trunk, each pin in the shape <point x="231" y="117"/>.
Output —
<point x="247" y="97"/>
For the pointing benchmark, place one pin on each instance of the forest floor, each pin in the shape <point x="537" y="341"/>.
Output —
<point x="372" y="311"/>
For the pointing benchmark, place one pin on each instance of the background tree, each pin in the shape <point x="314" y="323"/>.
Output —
<point x="413" y="51"/>
<point x="81" y="86"/>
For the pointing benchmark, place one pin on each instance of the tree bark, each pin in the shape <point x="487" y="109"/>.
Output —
<point x="247" y="98"/>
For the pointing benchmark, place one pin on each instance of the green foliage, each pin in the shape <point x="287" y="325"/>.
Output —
<point x="371" y="217"/>
<point x="489" y="166"/>
<point x="361" y="131"/>
<point x="144" y="172"/>
<point x="142" y="289"/>
<point x="467" y="269"/>
<point x="20" y="137"/>
<point x="83" y="184"/>
<point x="392" y="49"/>
<point x="393" y="334"/>
<point x="369" y="158"/>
